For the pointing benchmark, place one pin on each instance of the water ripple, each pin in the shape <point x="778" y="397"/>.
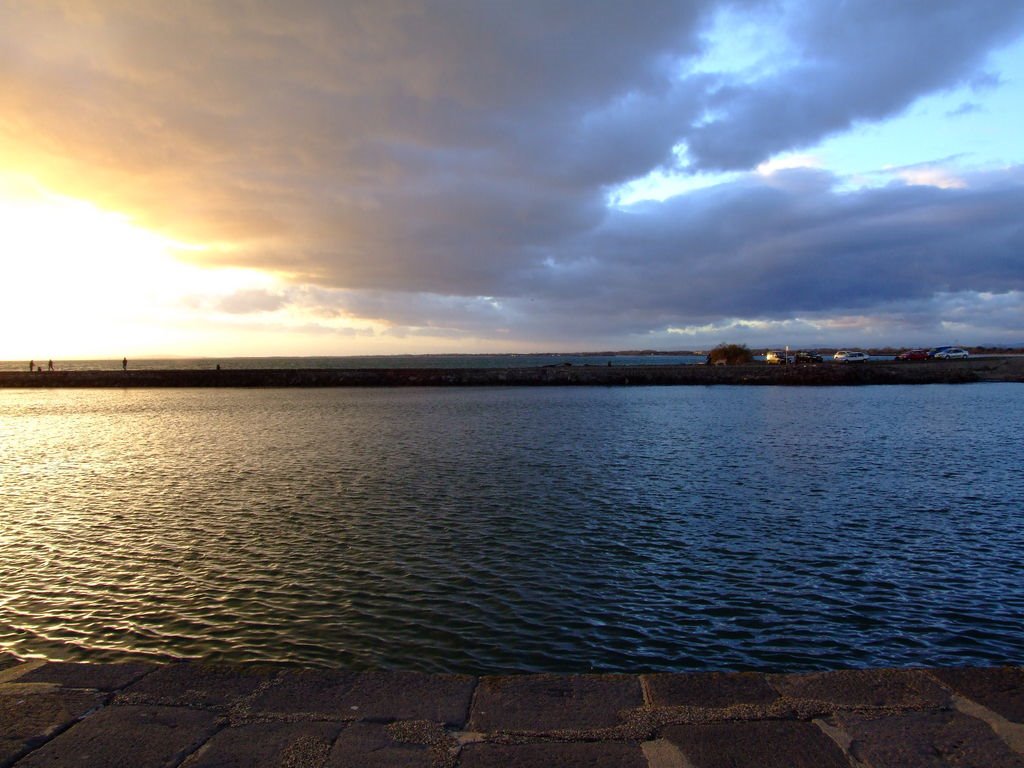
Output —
<point x="503" y="529"/>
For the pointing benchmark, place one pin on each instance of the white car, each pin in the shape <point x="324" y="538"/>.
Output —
<point x="845" y="356"/>
<point x="953" y="353"/>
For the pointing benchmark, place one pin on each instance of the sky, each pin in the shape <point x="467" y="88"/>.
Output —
<point x="315" y="177"/>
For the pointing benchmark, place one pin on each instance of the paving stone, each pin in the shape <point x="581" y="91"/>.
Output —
<point x="865" y="688"/>
<point x="306" y="694"/>
<point x="411" y="696"/>
<point x="709" y="689"/>
<point x="543" y="703"/>
<point x="926" y="740"/>
<point x="29" y="717"/>
<point x="198" y="685"/>
<point x="610" y="754"/>
<point x="12" y="673"/>
<point x="1001" y="689"/>
<point x="761" y="743"/>
<point x="378" y="696"/>
<point x="369" y="745"/>
<point x="134" y="736"/>
<point x="267" y="745"/>
<point x="100" y="677"/>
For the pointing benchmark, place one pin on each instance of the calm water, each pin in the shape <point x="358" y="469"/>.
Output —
<point x="484" y="530"/>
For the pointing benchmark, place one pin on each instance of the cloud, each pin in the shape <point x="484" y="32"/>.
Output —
<point x="790" y="243"/>
<point x="858" y="61"/>
<point x="966" y="108"/>
<point x="250" y="301"/>
<point x="932" y="177"/>
<point x="770" y="249"/>
<point x="447" y="168"/>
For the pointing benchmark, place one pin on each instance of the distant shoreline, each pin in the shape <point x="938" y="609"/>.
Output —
<point x="996" y="368"/>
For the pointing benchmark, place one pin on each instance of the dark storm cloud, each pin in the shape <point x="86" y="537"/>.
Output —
<point x="447" y="165"/>
<point x="772" y="247"/>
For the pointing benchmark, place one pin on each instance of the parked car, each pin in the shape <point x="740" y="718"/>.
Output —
<point x="952" y="353"/>
<point x="845" y="356"/>
<point x="802" y="358"/>
<point x="775" y="357"/>
<point x="913" y="354"/>
<point x="935" y="350"/>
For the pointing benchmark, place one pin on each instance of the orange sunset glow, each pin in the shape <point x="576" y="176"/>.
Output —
<point x="82" y="272"/>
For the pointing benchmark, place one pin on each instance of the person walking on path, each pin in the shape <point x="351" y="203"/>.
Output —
<point x="49" y="365"/>
<point x="124" y="364"/>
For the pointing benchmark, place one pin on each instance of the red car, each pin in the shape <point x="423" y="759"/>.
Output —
<point x="913" y="354"/>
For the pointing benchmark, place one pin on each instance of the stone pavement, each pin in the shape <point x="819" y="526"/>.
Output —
<point x="198" y="716"/>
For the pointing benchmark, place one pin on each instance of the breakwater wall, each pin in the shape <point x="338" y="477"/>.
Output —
<point x="824" y="374"/>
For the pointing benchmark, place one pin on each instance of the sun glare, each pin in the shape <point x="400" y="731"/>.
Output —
<point x="79" y="281"/>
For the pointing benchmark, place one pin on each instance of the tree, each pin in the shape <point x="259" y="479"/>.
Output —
<point x="730" y="354"/>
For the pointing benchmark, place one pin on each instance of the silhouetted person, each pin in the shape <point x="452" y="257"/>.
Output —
<point x="124" y="364"/>
<point x="49" y="366"/>
<point x="31" y="365"/>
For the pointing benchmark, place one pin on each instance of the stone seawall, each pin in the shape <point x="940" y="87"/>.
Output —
<point x="824" y="374"/>
<point x="195" y="715"/>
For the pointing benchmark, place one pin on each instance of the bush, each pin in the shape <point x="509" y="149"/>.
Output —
<point x="730" y="354"/>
